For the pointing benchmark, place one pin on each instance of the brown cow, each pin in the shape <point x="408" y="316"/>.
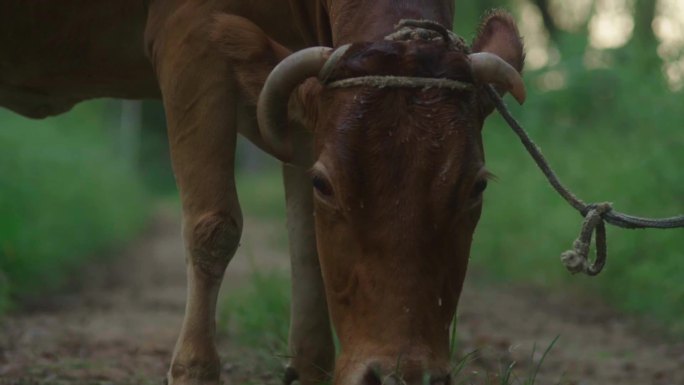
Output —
<point x="398" y="173"/>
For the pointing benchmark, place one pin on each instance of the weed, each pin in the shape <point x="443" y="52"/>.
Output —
<point x="535" y="370"/>
<point x="463" y="373"/>
<point x="258" y="316"/>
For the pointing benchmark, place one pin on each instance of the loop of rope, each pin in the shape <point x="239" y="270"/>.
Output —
<point x="577" y="259"/>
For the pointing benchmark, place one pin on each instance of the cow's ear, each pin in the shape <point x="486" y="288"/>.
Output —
<point x="498" y="34"/>
<point x="250" y="53"/>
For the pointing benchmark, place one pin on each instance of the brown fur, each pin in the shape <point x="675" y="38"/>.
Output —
<point x="56" y="54"/>
<point x="251" y="53"/>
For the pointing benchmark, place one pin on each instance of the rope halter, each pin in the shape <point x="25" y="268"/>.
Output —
<point x="575" y="260"/>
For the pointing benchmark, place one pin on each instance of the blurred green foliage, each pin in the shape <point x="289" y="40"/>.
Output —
<point x="65" y="198"/>
<point x="259" y="312"/>
<point x="154" y="159"/>
<point x="612" y="133"/>
<point x="261" y="192"/>
<point x="611" y="136"/>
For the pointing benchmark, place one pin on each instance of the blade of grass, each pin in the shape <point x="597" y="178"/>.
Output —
<point x="533" y="376"/>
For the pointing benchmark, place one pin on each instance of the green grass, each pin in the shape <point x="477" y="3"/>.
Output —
<point x="64" y="199"/>
<point x="259" y="312"/>
<point x="257" y="316"/>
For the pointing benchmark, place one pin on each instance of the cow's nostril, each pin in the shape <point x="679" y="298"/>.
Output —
<point x="375" y="376"/>
<point x="443" y="380"/>
<point x="372" y="377"/>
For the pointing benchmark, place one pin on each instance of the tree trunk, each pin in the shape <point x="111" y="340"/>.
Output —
<point x="644" y="42"/>
<point x="549" y="23"/>
<point x="644" y="13"/>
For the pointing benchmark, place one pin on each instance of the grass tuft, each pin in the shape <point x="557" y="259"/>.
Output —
<point x="257" y="316"/>
<point x="535" y="370"/>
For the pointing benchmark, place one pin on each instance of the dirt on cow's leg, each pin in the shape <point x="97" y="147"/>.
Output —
<point x="199" y="99"/>
<point x="311" y="346"/>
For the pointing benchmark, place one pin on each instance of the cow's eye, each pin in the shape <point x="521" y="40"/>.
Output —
<point x="322" y="185"/>
<point x="478" y="188"/>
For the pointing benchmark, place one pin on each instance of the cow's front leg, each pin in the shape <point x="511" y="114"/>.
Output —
<point x="311" y="347"/>
<point x="199" y="98"/>
<point x="202" y="149"/>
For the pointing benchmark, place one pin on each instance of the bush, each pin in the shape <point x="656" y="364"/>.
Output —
<point x="64" y="198"/>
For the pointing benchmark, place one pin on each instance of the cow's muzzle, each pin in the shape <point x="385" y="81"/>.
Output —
<point x="392" y="371"/>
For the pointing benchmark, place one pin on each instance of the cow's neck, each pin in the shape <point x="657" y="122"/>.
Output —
<point x="371" y="20"/>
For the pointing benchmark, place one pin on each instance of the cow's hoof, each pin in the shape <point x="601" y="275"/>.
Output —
<point x="191" y="381"/>
<point x="193" y="375"/>
<point x="290" y="375"/>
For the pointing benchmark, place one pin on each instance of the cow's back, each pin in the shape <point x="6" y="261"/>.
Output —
<point x="56" y="53"/>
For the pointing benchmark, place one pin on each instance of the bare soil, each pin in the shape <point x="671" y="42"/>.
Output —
<point x="120" y="325"/>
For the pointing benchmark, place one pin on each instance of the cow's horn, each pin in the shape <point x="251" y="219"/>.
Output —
<point x="330" y="65"/>
<point x="274" y="97"/>
<point x="490" y="68"/>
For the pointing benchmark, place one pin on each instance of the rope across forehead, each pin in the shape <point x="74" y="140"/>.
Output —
<point x="485" y="67"/>
<point x="272" y="112"/>
<point x="406" y="30"/>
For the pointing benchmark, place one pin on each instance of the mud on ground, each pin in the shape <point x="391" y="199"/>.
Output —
<point x="120" y="326"/>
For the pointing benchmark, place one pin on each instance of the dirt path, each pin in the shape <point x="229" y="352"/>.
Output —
<point x="121" y="326"/>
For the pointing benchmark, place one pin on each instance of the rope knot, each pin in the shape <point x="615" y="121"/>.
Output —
<point x="577" y="259"/>
<point x="573" y="262"/>
<point x="411" y="29"/>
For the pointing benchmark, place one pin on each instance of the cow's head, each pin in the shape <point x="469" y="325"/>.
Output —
<point x="398" y="176"/>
